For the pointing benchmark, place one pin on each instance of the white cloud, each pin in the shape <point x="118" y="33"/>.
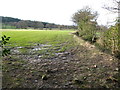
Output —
<point x="54" y="11"/>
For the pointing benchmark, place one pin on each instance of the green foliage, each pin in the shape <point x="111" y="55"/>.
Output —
<point x="5" y="40"/>
<point x="111" y="40"/>
<point x="87" y="25"/>
<point x="84" y="15"/>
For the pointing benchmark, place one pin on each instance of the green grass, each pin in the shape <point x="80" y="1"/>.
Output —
<point x="59" y="41"/>
<point x="24" y="37"/>
<point x="16" y="70"/>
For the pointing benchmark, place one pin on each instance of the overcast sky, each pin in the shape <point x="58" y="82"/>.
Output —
<point x="53" y="11"/>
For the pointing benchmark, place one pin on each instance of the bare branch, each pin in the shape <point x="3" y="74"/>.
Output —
<point x="115" y="9"/>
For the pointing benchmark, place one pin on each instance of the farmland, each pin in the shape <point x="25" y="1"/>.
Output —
<point x="55" y="59"/>
<point x="23" y="37"/>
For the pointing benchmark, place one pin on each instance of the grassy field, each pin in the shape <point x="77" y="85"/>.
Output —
<point x="32" y="44"/>
<point x="54" y="59"/>
<point x="39" y="41"/>
<point x="25" y="37"/>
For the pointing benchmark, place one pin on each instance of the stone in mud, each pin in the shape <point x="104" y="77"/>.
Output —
<point x="69" y="83"/>
<point x="40" y="56"/>
<point x="63" y="58"/>
<point x="36" y="81"/>
<point x="44" y="77"/>
<point x="66" y="53"/>
<point x="76" y="81"/>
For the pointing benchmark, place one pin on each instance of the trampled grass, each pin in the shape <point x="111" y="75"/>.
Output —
<point x="30" y="37"/>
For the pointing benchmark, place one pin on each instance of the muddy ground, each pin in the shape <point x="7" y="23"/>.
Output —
<point x="83" y="66"/>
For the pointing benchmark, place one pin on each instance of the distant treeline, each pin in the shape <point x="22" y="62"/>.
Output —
<point x="15" y="23"/>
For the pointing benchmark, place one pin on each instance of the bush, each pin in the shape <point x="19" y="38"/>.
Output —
<point x="111" y="40"/>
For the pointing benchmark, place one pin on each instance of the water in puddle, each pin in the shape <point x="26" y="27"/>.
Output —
<point x="15" y="51"/>
<point x="41" y="47"/>
<point x="19" y="47"/>
<point x="38" y="48"/>
<point x="35" y="49"/>
<point x="58" y="54"/>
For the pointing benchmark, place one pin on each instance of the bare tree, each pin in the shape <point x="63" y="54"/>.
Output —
<point x="115" y="8"/>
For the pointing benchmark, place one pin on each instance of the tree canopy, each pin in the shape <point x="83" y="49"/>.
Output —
<point x="12" y="23"/>
<point x="86" y="22"/>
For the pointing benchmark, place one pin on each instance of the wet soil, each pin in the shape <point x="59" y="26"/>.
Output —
<point x="83" y="66"/>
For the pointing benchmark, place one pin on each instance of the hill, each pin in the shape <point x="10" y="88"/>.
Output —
<point x="13" y="23"/>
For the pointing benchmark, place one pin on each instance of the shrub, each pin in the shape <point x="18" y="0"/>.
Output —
<point x="111" y="40"/>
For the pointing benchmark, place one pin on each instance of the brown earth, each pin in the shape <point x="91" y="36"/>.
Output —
<point x="81" y="67"/>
